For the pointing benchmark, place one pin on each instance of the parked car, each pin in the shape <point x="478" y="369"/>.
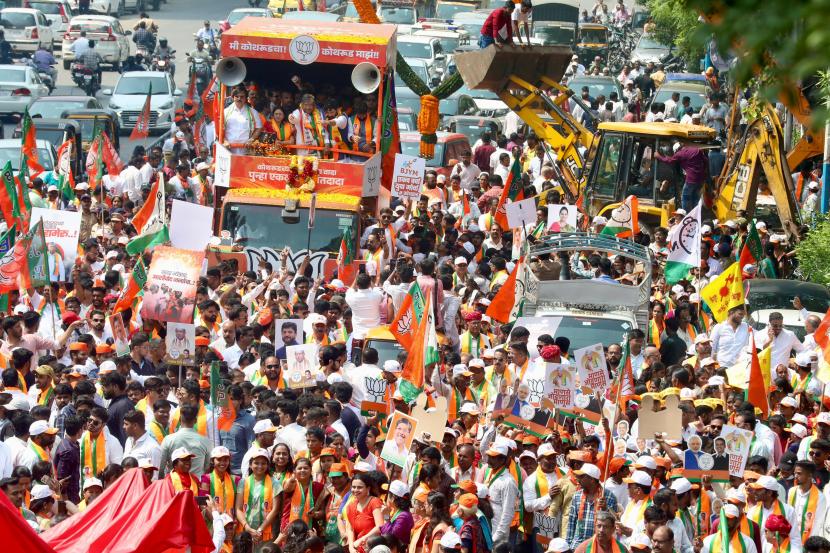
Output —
<point x="10" y="151"/>
<point x="597" y="85"/>
<point x="402" y="15"/>
<point x="471" y="21"/>
<point x="112" y="7"/>
<point x="130" y="92"/>
<point x="111" y="40"/>
<point x="426" y="48"/>
<point x="696" y="91"/>
<point x="57" y="12"/>
<point x="765" y="296"/>
<point x="237" y="15"/>
<point x="485" y="103"/>
<point x="51" y="107"/>
<point x="420" y="68"/>
<point x="472" y="126"/>
<point x="26" y="29"/>
<point x="449" y="148"/>
<point x="56" y="132"/>
<point x="648" y="49"/>
<point x="19" y="86"/>
<point x="451" y="39"/>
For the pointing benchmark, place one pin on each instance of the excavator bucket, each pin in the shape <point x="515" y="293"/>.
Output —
<point x="490" y="68"/>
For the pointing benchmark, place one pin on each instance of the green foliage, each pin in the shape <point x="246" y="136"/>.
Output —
<point x="677" y="24"/>
<point x="813" y="253"/>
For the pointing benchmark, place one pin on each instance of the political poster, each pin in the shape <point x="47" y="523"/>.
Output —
<point x="592" y="367"/>
<point x="522" y="213"/>
<point x="547" y="526"/>
<point x="408" y="176"/>
<point x="302" y="365"/>
<point x="61" y="230"/>
<point x="560" y="385"/>
<point x="287" y="332"/>
<point x="532" y="383"/>
<point x="119" y="333"/>
<point x="399" y="439"/>
<point x="170" y="292"/>
<point x="370" y="389"/>
<point x="516" y="410"/>
<point x="190" y="225"/>
<point x="730" y="451"/>
<point x="562" y="218"/>
<point x="181" y="344"/>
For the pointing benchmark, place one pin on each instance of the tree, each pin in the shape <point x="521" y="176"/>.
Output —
<point x="677" y="24"/>
<point x="813" y="253"/>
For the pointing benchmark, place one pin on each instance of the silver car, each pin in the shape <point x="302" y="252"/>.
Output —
<point x="10" y="151"/>
<point x="20" y="85"/>
<point x="128" y="96"/>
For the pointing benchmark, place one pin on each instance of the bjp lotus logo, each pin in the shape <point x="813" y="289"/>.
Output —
<point x="304" y="49"/>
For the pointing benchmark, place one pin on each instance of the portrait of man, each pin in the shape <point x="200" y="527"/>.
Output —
<point x="691" y="455"/>
<point x="720" y="456"/>
<point x="396" y="447"/>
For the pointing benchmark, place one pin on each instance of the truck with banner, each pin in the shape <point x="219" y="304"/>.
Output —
<point x="269" y="183"/>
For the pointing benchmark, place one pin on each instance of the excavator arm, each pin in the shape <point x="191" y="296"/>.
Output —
<point x="759" y="151"/>
<point x="811" y="143"/>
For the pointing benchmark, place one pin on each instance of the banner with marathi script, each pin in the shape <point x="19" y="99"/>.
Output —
<point x="170" y="292"/>
<point x="61" y="230"/>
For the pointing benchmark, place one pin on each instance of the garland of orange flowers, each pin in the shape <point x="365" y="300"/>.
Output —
<point x="428" y="125"/>
<point x="272" y="193"/>
<point x="302" y="173"/>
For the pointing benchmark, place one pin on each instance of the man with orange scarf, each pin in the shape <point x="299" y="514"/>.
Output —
<point x="768" y="503"/>
<point x="98" y="448"/>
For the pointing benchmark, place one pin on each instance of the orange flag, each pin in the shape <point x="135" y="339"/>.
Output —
<point x="821" y="336"/>
<point x="507" y="305"/>
<point x="756" y="391"/>
<point x="142" y="123"/>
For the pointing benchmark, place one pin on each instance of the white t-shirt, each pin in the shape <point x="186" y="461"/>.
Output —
<point x="520" y="17"/>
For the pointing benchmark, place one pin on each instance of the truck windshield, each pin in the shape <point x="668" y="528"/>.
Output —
<point x="387" y="350"/>
<point x="260" y="226"/>
<point x="593" y="36"/>
<point x="447" y="11"/>
<point x="554" y="35"/>
<point x="585" y="331"/>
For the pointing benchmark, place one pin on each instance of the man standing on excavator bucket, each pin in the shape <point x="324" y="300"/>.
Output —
<point x="498" y="27"/>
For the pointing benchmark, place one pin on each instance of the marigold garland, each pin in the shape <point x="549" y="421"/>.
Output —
<point x="296" y="194"/>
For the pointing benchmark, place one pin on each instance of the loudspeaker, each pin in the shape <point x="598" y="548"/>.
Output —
<point x="231" y="71"/>
<point x="366" y="77"/>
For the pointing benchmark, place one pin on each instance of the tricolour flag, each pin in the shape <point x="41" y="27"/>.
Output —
<point x="135" y="283"/>
<point x="152" y="212"/>
<point x="756" y="390"/>
<point x="507" y="305"/>
<point x="142" y="123"/>
<point x="29" y="143"/>
<point x="151" y="239"/>
<point x="222" y="406"/>
<point x="406" y="320"/>
<point x="684" y="247"/>
<point x="346" y="256"/>
<point x="752" y="250"/>
<point x="623" y="222"/>
<point x="38" y="265"/>
<point x="724" y="292"/>
<point x="512" y="192"/>
<point x="424" y="352"/>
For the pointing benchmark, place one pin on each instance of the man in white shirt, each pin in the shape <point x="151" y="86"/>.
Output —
<point x="292" y="434"/>
<point x="730" y="337"/>
<point x="140" y="444"/>
<point x="365" y="303"/>
<point x="242" y="123"/>
<point x="766" y="492"/>
<point x="783" y="341"/>
<point x="467" y="171"/>
<point x="80" y="45"/>
<point x="132" y="180"/>
<point x="503" y="492"/>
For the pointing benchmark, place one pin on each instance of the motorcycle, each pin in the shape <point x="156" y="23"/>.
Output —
<point x="85" y="78"/>
<point x="45" y="76"/>
<point x="211" y="45"/>
<point x="163" y="63"/>
<point x="202" y="72"/>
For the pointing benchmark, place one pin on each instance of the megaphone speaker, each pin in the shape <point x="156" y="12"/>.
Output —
<point x="366" y="77"/>
<point x="231" y="71"/>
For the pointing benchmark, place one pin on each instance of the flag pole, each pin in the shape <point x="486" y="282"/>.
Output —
<point x="608" y="446"/>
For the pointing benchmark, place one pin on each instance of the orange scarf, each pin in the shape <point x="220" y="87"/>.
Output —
<point x="201" y="421"/>
<point x="222" y="490"/>
<point x="93" y="455"/>
<point x="302" y="503"/>
<point x="176" y="480"/>
<point x="809" y="512"/>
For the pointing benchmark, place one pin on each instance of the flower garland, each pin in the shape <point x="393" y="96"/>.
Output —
<point x="302" y="173"/>
<point x="333" y="197"/>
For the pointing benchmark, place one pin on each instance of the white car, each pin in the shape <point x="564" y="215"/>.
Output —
<point x="57" y="12"/>
<point x="10" y="151"/>
<point x="26" y="29"/>
<point x="426" y="48"/>
<point x="110" y="39"/>
<point x="402" y="15"/>
<point x="111" y="7"/>
<point x="20" y="85"/>
<point x="130" y="92"/>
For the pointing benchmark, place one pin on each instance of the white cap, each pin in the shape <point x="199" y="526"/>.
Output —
<point x="498" y="449"/>
<point x="90" y="482"/>
<point x="822" y="418"/>
<point x="545" y="449"/>
<point x="316" y="319"/>
<point x="107" y="366"/>
<point x="798" y="430"/>
<point x="40" y="491"/>
<point x="731" y="511"/>
<point x="398" y="488"/>
<point x="112" y="254"/>
<point x="705" y="228"/>
<point x="800" y="419"/>
<point x="789" y="401"/>
<point x="759" y="225"/>
<point x="363" y="466"/>
<point x="219" y="451"/>
<point x="460" y="370"/>
<point x="334" y="378"/>
<point x="813" y="185"/>
<point x="599" y="220"/>
<point x="646" y="462"/>
<point x="82" y="186"/>
<point x="736" y="495"/>
<point x="476" y="363"/>
<point x="716" y="381"/>
<point x="400" y="209"/>
<point x="468" y="246"/>
<point x="225" y="518"/>
<point x="264" y="425"/>
<point x="146" y="463"/>
<point x="41" y="427"/>
<point x="18" y="403"/>
<point x="470" y="408"/>
<point x="337" y="283"/>
<point x="681" y="486"/>
<point x="392" y="366"/>
<point x="181" y="453"/>
<point x="680" y="212"/>
<point x="803" y="359"/>
<point x="460" y="260"/>
<point x="259" y="452"/>
<point x="558" y="545"/>
<point x="765" y="482"/>
<point x="640" y="541"/>
<point x="731" y="224"/>
<point x="678" y="289"/>
<point x="528" y="453"/>
<point x="589" y="470"/>
<point x="451" y="540"/>
<point x="639" y="477"/>
<point x="687" y="393"/>
<point x="202" y="166"/>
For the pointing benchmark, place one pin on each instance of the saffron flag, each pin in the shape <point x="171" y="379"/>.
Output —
<point x="346" y="256"/>
<point x="406" y="320"/>
<point x="512" y="192"/>
<point x="724" y="292"/>
<point x="390" y="138"/>
<point x="822" y="337"/>
<point x="135" y="284"/>
<point x="8" y="196"/>
<point x="110" y="156"/>
<point x="152" y="212"/>
<point x="219" y="399"/>
<point x="752" y="250"/>
<point x="142" y="123"/>
<point x="623" y="387"/>
<point x="623" y="222"/>
<point x="684" y="247"/>
<point x="756" y="391"/>
<point x="507" y="305"/>
<point x="29" y="144"/>
<point x="13" y="263"/>
<point x="424" y="352"/>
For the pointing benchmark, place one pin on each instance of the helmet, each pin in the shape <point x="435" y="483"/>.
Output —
<point x="162" y="42"/>
<point x="207" y="23"/>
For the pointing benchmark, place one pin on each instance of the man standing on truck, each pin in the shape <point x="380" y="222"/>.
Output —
<point x="242" y="122"/>
<point x="308" y="125"/>
<point x="694" y="164"/>
<point x="498" y="27"/>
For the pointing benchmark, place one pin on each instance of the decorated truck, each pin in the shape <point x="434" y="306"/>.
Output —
<point x="270" y="184"/>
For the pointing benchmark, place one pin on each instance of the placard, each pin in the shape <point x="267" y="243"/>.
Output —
<point x="593" y="369"/>
<point x="399" y="439"/>
<point x="408" y="176"/>
<point x="190" y="225"/>
<point x="522" y="213"/>
<point x="547" y="526"/>
<point x="170" y="293"/>
<point x="119" y="333"/>
<point x="562" y="218"/>
<point x="369" y="388"/>
<point x="560" y="383"/>
<point x="302" y="365"/>
<point x="61" y="230"/>
<point x="730" y="453"/>
<point x="516" y="411"/>
<point x="181" y="344"/>
<point x="287" y="332"/>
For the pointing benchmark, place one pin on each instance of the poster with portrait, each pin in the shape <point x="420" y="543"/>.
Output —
<point x="119" y="333"/>
<point x="515" y="410"/>
<point x="593" y="371"/>
<point x="398" y="438"/>
<point x="170" y="292"/>
<point x="562" y="218"/>
<point x="61" y="230"/>
<point x="287" y="332"/>
<point x="181" y="344"/>
<point x="730" y="451"/>
<point x="586" y="408"/>
<point x="302" y="365"/>
<point x="560" y="385"/>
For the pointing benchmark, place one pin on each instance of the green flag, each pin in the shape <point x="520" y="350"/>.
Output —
<point x="142" y="243"/>
<point x="11" y="188"/>
<point x="23" y="176"/>
<point x="38" y="262"/>
<point x="752" y="251"/>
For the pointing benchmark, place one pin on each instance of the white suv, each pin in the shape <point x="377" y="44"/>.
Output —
<point x="26" y="29"/>
<point x="110" y="38"/>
